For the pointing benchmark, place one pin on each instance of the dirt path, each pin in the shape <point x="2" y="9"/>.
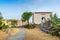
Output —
<point x="32" y="34"/>
<point x="19" y="36"/>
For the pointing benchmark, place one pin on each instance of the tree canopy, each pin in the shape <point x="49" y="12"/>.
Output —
<point x="1" y="17"/>
<point x="26" y="16"/>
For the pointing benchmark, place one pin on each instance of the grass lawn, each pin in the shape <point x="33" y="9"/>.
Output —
<point x="37" y="34"/>
<point x="4" y="35"/>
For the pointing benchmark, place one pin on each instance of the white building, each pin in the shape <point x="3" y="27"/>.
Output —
<point x="39" y="17"/>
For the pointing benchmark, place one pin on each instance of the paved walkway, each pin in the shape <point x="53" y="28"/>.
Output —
<point x="18" y="36"/>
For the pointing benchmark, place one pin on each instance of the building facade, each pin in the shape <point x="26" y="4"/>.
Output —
<point x="39" y="17"/>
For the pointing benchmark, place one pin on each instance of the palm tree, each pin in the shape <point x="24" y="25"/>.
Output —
<point x="26" y="16"/>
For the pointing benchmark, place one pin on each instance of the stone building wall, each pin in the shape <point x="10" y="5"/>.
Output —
<point x="37" y="16"/>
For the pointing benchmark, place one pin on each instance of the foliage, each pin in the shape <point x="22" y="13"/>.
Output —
<point x="30" y="26"/>
<point x="13" y="26"/>
<point x="55" y="24"/>
<point x="3" y="25"/>
<point x="1" y="16"/>
<point x="26" y="16"/>
<point x="13" y="22"/>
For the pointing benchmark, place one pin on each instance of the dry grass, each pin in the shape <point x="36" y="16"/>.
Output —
<point x="4" y="35"/>
<point x="36" y="34"/>
<point x="14" y="31"/>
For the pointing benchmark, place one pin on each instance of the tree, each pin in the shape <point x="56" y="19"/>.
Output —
<point x="2" y="23"/>
<point x="14" y="22"/>
<point x="26" y="16"/>
<point x="1" y="16"/>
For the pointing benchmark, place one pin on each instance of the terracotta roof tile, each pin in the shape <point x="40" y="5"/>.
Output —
<point x="42" y="12"/>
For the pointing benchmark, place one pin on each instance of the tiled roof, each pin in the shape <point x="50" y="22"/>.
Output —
<point x="42" y="12"/>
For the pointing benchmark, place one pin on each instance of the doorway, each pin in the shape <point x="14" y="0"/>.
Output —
<point x="43" y="20"/>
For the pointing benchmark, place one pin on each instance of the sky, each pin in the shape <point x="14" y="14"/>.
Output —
<point x="13" y="9"/>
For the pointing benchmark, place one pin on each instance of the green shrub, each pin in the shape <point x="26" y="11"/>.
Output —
<point x="30" y="26"/>
<point x="0" y="28"/>
<point x="13" y="26"/>
<point x="55" y="24"/>
<point x="3" y="25"/>
<point x="55" y="31"/>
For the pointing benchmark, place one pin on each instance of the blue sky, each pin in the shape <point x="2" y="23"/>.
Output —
<point x="13" y="9"/>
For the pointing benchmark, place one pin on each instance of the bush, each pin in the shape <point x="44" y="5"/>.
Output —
<point x="55" y="24"/>
<point x="30" y="26"/>
<point x="55" y="31"/>
<point x="3" y="25"/>
<point x="25" y="26"/>
<point x="0" y="28"/>
<point x="59" y="33"/>
<point x="13" y="26"/>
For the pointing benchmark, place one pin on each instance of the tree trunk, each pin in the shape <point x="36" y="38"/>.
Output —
<point x="28" y="22"/>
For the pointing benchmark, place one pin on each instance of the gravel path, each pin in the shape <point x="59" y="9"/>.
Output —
<point x="19" y="36"/>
